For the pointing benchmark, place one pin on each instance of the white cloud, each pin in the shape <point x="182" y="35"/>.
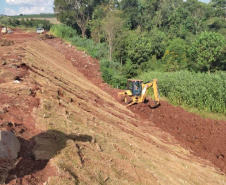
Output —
<point x="9" y="11"/>
<point x="29" y="10"/>
<point x="29" y="7"/>
<point x="30" y="2"/>
<point x="35" y="10"/>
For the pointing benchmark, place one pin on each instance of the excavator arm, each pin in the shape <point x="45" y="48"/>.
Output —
<point x="146" y="86"/>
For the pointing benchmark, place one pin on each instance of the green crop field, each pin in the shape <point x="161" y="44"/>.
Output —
<point x="200" y="90"/>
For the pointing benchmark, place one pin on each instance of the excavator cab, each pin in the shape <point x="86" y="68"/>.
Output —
<point x="135" y="86"/>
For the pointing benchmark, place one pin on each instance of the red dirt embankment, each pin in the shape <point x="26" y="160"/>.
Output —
<point x="204" y="137"/>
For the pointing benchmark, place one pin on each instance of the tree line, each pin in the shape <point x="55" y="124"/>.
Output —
<point x="25" y="22"/>
<point x="165" y="35"/>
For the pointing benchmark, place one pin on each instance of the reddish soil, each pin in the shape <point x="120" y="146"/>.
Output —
<point x="16" y="110"/>
<point x="204" y="137"/>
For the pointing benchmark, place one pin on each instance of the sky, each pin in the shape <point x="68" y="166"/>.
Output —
<point x="16" y="7"/>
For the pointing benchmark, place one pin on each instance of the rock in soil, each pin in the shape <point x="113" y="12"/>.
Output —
<point x="9" y="145"/>
<point x="9" y="148"/>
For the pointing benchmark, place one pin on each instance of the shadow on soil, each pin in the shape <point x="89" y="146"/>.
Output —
<point x="36" y="152"/>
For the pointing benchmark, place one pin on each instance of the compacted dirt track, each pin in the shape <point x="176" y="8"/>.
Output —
<point x="48" y="85"/>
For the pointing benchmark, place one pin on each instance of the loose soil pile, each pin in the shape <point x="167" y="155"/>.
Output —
<point x="4" y="42"/>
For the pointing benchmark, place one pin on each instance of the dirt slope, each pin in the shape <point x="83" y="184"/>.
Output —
<point x="204" y="137"/>
<point x="72" y="129"/>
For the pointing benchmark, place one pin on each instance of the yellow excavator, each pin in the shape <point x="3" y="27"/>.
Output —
<point x="137" y="90"/>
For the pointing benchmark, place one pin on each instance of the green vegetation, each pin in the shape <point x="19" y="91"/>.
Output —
<point x="64" y="32"/>
<point x="27" y="23"/>
<point x="70" y="35"/>
<point x="152" y="35"/>
<point x="199" y="90"/>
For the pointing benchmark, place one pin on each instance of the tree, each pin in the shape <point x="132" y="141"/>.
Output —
<point x="220" y="7"/>
<point x="120" y="52"/>
<point x="15" y="22"/>
<point x="129" y="70"/>
<point x="80" y="10"/>
<point x="197" y="15"/>
<point x="177" y="26"/>
<point x="112" y="26"/>
<point x="216" y="23"/>
<point x="95" y="24"/>
<point x="158" y="41"/>
<point x="22" y="22"/>
<point x="131" y="12"/>
<point x="175" y="57"/>
<point x="206" y="50"/>
<point x="155" y="13"/>
<point x="28" y="23"/>
<point x="147" y="10"/>
<point x="139" y="47"/>
<point x="6" y="21"/>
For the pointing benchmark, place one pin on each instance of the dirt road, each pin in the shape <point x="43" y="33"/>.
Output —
<point x="73" y="130"/>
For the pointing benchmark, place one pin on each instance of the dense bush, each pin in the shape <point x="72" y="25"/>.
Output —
<point x="64" y="32"/>
<point x="175" y="57"/>
<point x="95" y="50"/>
<point x="206" y="50"/>
<point x="200" y="90"/>
<point x="69" y="34"/>
<point x="111" y="73"/>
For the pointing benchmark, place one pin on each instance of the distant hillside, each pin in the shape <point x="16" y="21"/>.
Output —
<point x="41" y="15"/>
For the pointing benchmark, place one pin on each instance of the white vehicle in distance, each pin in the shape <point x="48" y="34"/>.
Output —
<point x="4" y="30"/>
<point x="40" y="30"/>
<point x="9" y="30"/>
